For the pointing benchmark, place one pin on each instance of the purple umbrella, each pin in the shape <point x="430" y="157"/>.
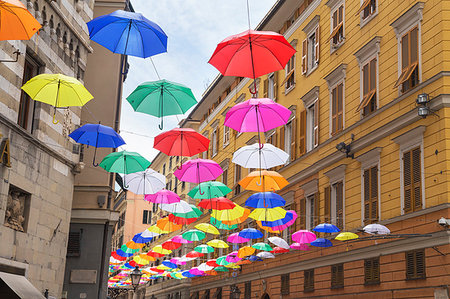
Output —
<point x="179" y="239"/>
<point x="163" y="196"/>
<point x="233" y="257"/>
<point x="304" y="236"/>
<point x="236" y="239"/>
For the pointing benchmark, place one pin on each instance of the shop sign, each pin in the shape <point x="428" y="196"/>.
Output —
<point x="5" y="154"/>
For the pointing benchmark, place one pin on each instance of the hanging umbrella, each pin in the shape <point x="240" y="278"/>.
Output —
<point x="204" y="249"/>
<point x="162" y="98"/>
<point x="254" y="258"/>
<point x="326" y="228"/>
<point x="163" y="197"/>
<point x="194" y="254"/>
<point x="262" y="246"/>
<point x="268" y="214"/>
<point x="245" y="251"/>
<point x="194" y="235"/>
<point x="234" y="216"/>
<point x="304" y="236"/>
<point x="145" y="182"/>
<point x="281" y="224"/>
<point x="233" y="266"/>
<point x="118" y="256"/>
<point x="141" y="260"/>
<point x="128" y="33"/>
<point x="279" y="250"/>
<point x="166" y="225"/>
<point x="196" y="271"/>
<point x="222" y="260"/>
<point x="57" y="90"/>
<point x="159" y="249"/>
<point x="188" y="274"/>
<point x="97" y="136"/>
<point x="204" y="267"/>
<point x="300" y="246"/>
<point x="138" y="238"/>
<point x="133" y="245"/>
<point x="262" y="181"/>
<point x="244" y="262"/>
<point x="170" y="245"/>
<point x="181" y="142"/>
<point x="265" y="200"/>
<point x="235" y="238"/>
<point x="321" y="242"/>
<point x="233" y="257"/>
<point x="181" y="220"/>
<point x="218" y="224"/>
<point x="157" y="230"/>
<point x="250" y="233"/>
<point x="217" y="244"/>
<point x="198" y="170"/>
<point x="195" y="213"/>
<point x="207" y="228"/>
<point x="177" y="207"/>
<point x="148" y="234"/>
<point x="252" y="156"/>
<point x="265" y="255"/>
<point x="220" y="204"/>
<point x="16" y="22"/>
<point x="346" y="236"/>
<point x="124" y="162"/>
<point x="156" y="254"/>
<point x="279" y="242"/>
<point x="126" y="249"/>
<point x="376" y="229"/>
<point x="211" y="189"/>
<point x="221" y="269"/>
<point x="179" y="239"/>
<point x="169" y="264"/>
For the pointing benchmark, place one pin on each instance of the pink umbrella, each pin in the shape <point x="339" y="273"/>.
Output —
<point x="236" y="239"/>
<point x="233" y="257"/>
<point x="163" y="196"/>
<point x="300" y="246"/>
<point x="287" y="224"/>
<point x="179" y="239"/>
<point x="304" y="236"/>
<point x="196" y="271"/>
<point x="198" y="171"/>
<point x="177" y="261"/>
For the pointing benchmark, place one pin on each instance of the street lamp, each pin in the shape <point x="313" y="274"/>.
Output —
<point x="235" y="292"/>
<point x="135" y="279"/>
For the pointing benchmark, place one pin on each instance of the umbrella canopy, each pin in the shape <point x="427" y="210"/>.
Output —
<point x="198" y="170"/>
<point x="207" y="228"/>
<point x="220" y="203"/>
<point x="162" y="98"/>
<point x="268" y="214"/>
<point x="194" y="254"/>
<point x="265" y="255"/>
<point x="304" y="236"/>
<point x="218" y="224"/>
<point x="195" y="213"/>
<point x="217" y="244"/>
<point x="157" y="230"/>
<point x="148" y="234"/>
<point x="156" y="254"/>
<point x="171" y="245"/>
<point x="181" y="142"/>
<point x="245" y="251"/>
<point x="321" y="242"/>
<point x="118" y="256"/>
<point x="194" y="235"/>
<point x="257" y="115"/>
<point x="281" y="224"/>
<point x="250" y="233"/>
<point x="252" y="54"/>
<point x="128" y="33"/>
<point x="169" y="264"/>
<point x="253" y="156"/>
<point x="300" y="246"/>
<point x="166" y="225"/>
<point x="221" y="269"/>
<point x="16" y="22"/>
<point x="237" y="239"/>
<point x="139" y="239"/>
<point x="222" y="260"/>
<point x="262" y="246"/>
<point x="244" y="262"/>
<point x="346" y="236"/>
<point x="234" y="216"/>
<point x="326" y="228"/>
<point x="233" y="257"/>
<point x="204" y="267"/>
<point x="204" y="249"/>
<point x="179" y="239"/>
<point x="254" y="258"/>
<point x="211" y="189"/>
<point x="181" y="207"/>
<point x="145" y="182"/>
<point x="159" y="249"/>
<point x="163" y="197"/>
<point x="181" y="220"/>
<point x="262" y="181"/>
<point x="279" y="242"/>
<point x="126" y="249"/>
<point x="124" y="162"/>
<point x="279" y="250"/>
<point x="376" y="229"/>
<point x="265" y="200"/>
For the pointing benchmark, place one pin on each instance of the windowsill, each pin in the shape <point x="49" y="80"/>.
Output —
<point x="308" y="290"/>
<point x="310" y="71"/>
<point x="363" y="22"/>
<point x="337" y="287"/>
<point x="371" y="283"/>
<point x="415" y="278"/>
<point x="225" y="145"/>
<point x="289" y="89"/>
<point x="335" y="47"/>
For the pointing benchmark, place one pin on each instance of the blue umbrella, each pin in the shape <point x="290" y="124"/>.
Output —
<point x="97" y="136"/>
<point x="326" y="228"/>
<point x="127" y="265"/>
<point x="250" y="233"/>
<point x="128" y="33"/>
<point x="266" y="200"/>
<point x="139" y="239"/>
<point x="289" y="216"/>
<point x="123" y="254"/>
<point x="188" y="274"/>
<point x="254" y="258"/>
<point x="169" y="264"/>
<point x="321" y="242"/>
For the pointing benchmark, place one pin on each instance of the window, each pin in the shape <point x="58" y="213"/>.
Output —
<point x="312" y="211"/>
<point x="289" y="81"/>
<point x="337" y="26"/>
<point x="183" y="185"/>
<point x="74" y="244"/>
<point x="170" y="163"/>
<point x="372" y="271"/>
<point x="272" y="88"/>
<point x="285" y="287"/>
<point x="334" y="196"/>
<point x="370" y="177"/>
<point x="369" y="101"/>
<point x="146" y="217"/>
<point x="27" y="105"/>
<point x="237" y="178"/>
<point x="312" y="126"/>
<point x="288" y="143"/>
<point x="415" y="264"/>
<point x="175" y="188"/>
<point x="367" y="10"/>
<point x="154" y="208"/>
<point x="225" y="176"/>
<point x="164" y="169"/>
<point x="226" y="136"/>
<point x="337" y="276"/>
<point x="337" y="109"/>
<point x="215" y="141"/>
<point x="248" y="290"/>
<point x="337" y="207"/>
<point x="412" y="179"/>
<point x="308" y="283"/>
<point x="310" y="46"/>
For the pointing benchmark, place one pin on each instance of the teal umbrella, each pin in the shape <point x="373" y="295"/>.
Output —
<point x="262" y="246"/>
<point x="195" y="213"/>
<point x="222" y="261"/>
<point x="204" y="249"/>
<point x="220" y="225"/>
<point x="211" y="189"/>
<point x="162" y="98"/>
<point x="194" y="235"/>
<point x="129" y="250"/>
<point x="221" y="269"/>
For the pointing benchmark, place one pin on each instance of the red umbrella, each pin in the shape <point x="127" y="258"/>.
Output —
<point x="181" y="220"/>
<point x="169" y="245"/>
<point x="192" y="254"/>
<point x="212" y="263"/>
<point x="220" y="203"/>
<point x="252" y="54"/>
<point x="181" y="142"/>
<point x="154" y="254"/>
<point x="154" y="269"/>
<point x="280" y="250"/>
<point x="118" y="257"/>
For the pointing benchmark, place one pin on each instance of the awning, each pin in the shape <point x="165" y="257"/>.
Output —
<point x="21" y="286"/>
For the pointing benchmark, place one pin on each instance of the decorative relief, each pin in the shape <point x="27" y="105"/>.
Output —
<point x="15" y="209"/>
<point x="67" y="123"/>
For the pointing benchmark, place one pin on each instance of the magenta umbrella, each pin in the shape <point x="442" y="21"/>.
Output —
<point x="163" y="196"/>
<point x="198" y="171"/>
<point x="302" y="246"/>
<point x="236" y="239"/>
<point x="196" y="271"/>
<point x="287" y="224"/>
<point x="233" y="257"/>
<point x="304" y="236"/>
<point x="179" y="239"/>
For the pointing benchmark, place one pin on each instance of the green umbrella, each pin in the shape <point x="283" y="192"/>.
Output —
<point x="194" y="235"/>
<point x="220" y="225"/>
<point x="221" y="269"/>
<point x="204" y="249"/>
<point x="209" y="190"/>
<point x="125" y="249"/>
<point x="222" y="261"/>
<point x="195" y="213"/>
<point x="262" y="246"/>
<point x="162" y="98"/>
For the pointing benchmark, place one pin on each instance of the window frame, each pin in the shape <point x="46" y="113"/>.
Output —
<point x="285" y="286"/>
<point x="26" y="102"/>
<point x="337" y="281"/>
<point x="364" y="20"/>
<point x="335" y="78"/>
<point x="334" y="7"/>
<point x="311" y="59"/>
<point x="336" y="87"/>
<point x="226" y="136"/>
<point x="308" y="284"/>
<point x="336" y="175"/>
<point x="214" y="138"/>
<point x="415" y="275"/>
<point x="372" y="267"/>
<point x="290" y="76"/>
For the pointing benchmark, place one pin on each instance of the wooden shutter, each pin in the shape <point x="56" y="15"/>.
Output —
<point x="217" y="139"/>
<point x="363" y="6"/>
<point x="282" y="137"/>
<point x="302" y="129"/>
<point x="340" y="104"/>
<point x="308" y="280"/>
<point x="366" y="178"/>
<point x="316" y="209"/>
<point x="337" y="276"/>
<point x="275" y="86"/>
<point x="265" y="88"/>
<point x="285" y="286"/>
<point x="372" y="271"/>
<point x="339" y="205"/>
<point x="317" y="46"/>
<point x="302" y="213"/>
<point x="316" y="123"/>
<point x="412" y="179"/>
<point x="374" y="194"/>
<point x="293" y="139"/>
<point x="415" y="264"/>
<point x="334" y="99"/>
<point x="327" y="205"/>
<point x="305" y="56"/>
<point x="417" y="178"/>
<point x="248" y="290"/>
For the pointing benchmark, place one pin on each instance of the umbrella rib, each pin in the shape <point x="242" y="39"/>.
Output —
<point x="20" y="20"/>
<point x="121" y="35"/>
<point x="174" y="98"/>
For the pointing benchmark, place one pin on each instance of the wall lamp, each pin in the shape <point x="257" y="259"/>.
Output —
<point x="346" y="149"/>
<point x="423" y="109"/>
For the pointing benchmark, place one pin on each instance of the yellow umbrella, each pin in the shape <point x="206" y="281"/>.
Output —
<point x="235" y="215"/>
<point x="162" y="267"/>
<point x="346" y="236"/>
<point x="245" y="251"/>
<point x="268" y="214"/>
<point x="233" y="266"/>
<point x="263" y="181"/>
<point x="161" y="250"/>
<point x="207" y="228"/>
<point x="217" y="244"/>
<point x="157" y="230"/>
<point x="141" y="261"/>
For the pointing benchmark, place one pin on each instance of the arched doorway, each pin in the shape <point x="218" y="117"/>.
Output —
<point x="265" y="296"/>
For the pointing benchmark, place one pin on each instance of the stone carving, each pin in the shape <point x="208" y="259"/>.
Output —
<point x="14" y="217"/>
<point x="67" y="123"/>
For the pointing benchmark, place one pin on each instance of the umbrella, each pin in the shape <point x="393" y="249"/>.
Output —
<point x="179" y="239"/>
<point x="252" y="156"/>
<point x="142" y="259"/>
<point x="245" y="251"/>
<point x="326" y="228"/>
<point x="181" y="142"/>
<point x="265" y="200"/>
<point x="169" y="264"/>
<point x="211" y="189"/>
<point x="181" y="207"/>
<point x="221" y="269"/>
<point x="195" y="213"/>
<point x="207" y="228"/>
<point x="300" y="246"/>
<point x="254" y="258"/>
<point x="128" y="33"/>
<point x="148" y="234"/>
<point x="376" y="229"/>
<point x="217" y="244"/>
<point x="244" y="262"/>
<point x="126" y="249"/>
<point x="265" y="255"/>
<point x="159" y="249"/>
<point x="166" y="225"/>
<point x="162" y="98"/>
<point x="262" y="246"/>
<point x="204" y="267"/>
<point x="156" y="254"/>
<point x="170" y="245"/>
<point x="138" y="238"/>
<point x="304" y="236"/>
<point x="237" y="239"/>
<point x="279" y="250"/>
<point x="220" y="203"/>
<point x="262" y="181"/>
<point x="163" y="197"/>
<point x="145" y="182"/>
<point x="233" y="257"/>
<point x="57" y="90"/>
<point x="281" y="224"/>
<point x="196" y="272"/>
<point x="279" y="242"/>
<point x="250" y="233"/>
<point x="222" y="260"/>
<point x="268" y="214"/>
<point x="204" y="249"/>
<point x="198" y="170"/>
<point x="220" y="225"/>
<point x="181" y="220"/>
<point x="194" y="254"/>
<point x="188" y="274"/>
<point x="194" y="235"/>
<point x="229" y="217"/>
<point x="321" y="242"/>
<point x="97" y="136"/>
<point x="124" y="162"/>
<point x="157" y="230"/>
<point x="16" y="22"/>
<point x="346" y="236"/>
<point x="118" y="256"/>
<point x="133" y="245"/>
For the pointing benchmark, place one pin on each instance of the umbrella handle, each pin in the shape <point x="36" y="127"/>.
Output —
<point x="260" y="181"/>
<point x="55" y="121"/>
<point x="200" y="190"/>
<point x="93" y="160"/>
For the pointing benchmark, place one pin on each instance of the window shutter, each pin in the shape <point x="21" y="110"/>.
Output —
<point x="410" y="265"/>
<point x="305" y="57"/>
<point x="265" y="88"/>
<point x="285" y="287"/>
<point x="374" y="194"/>
<point x="282" y="137"/>
<point x="316" y="123"/>
<point x="420" y="263"/>
<point x="327" y="205"/>
<point x="376" y="270"/>
<point x="145" y="217"/>
<point x="217" y="139"/>
<point x="316" y="209"/>
<point x="293" y="139"/>
<point x="275" y="86"/>
<point x="308" y="280"/>
<point x="334" y="99"/>
<point x="302" y="129"/>
<point x="340" y="105"/>
<point x="74" y="244"/>
<point x="340" y="205"/>
<point x="303" y="213"/>
<point x="316" y="46"/>
<point x="366" y="178"/>
<point x="368" y="271"/>
<point x="416" y="172"/>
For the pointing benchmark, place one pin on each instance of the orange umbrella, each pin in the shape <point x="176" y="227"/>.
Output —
<point x="245" y="251"/>
<point x="267" y="181"/>
<point x="16" y="22"/>
<point x="133" y="245"/>
<point x="166" y="225"/>
<point x="267" y="228"/>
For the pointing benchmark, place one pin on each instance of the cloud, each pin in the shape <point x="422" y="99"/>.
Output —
<point x="194" y="28"/>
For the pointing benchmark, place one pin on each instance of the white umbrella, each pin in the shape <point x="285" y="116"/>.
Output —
<point x="148" y="234"/>
<point x="204" y="267"/>
<point x="376" y="229"/>
<point x="181" y="207"/>
<point x="145" y="182"/>
<point x="279" y="242"/>
<point x="265" y="255"/>
<point x="251" y="156"/>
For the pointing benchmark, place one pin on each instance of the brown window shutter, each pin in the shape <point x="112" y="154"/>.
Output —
<point x="368" y="271"/>
<point x="340" y="205"/>
<point x="302" y="213"/>
<point x="265" y="88"/>
<point x="334" y="99"/>
<point x="293" y="139"/>
<point x="285" y="285"/>
<point x="340" y="105"/>
<point x="366" y="178"/>
<point x="420" y="263"/>
<point x="316" y="208"/>
<point x="302" y="129"/>
<point x="217" y="139"/>
<point x="275" y="86"/>
<point x="374" y="193"/>
<point x="282" y="137"/>
<point x="305" y="57"/>
<point x="376" y="270"/>
<point x="327" y="205"/>
<point x="316" y="123"/>
<point x="417" y="178"/>
<point x="317" y="46"/>
<point x="363" y="6"/>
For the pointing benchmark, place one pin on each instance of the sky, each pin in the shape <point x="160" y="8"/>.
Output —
<point x="194" y="28"/>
